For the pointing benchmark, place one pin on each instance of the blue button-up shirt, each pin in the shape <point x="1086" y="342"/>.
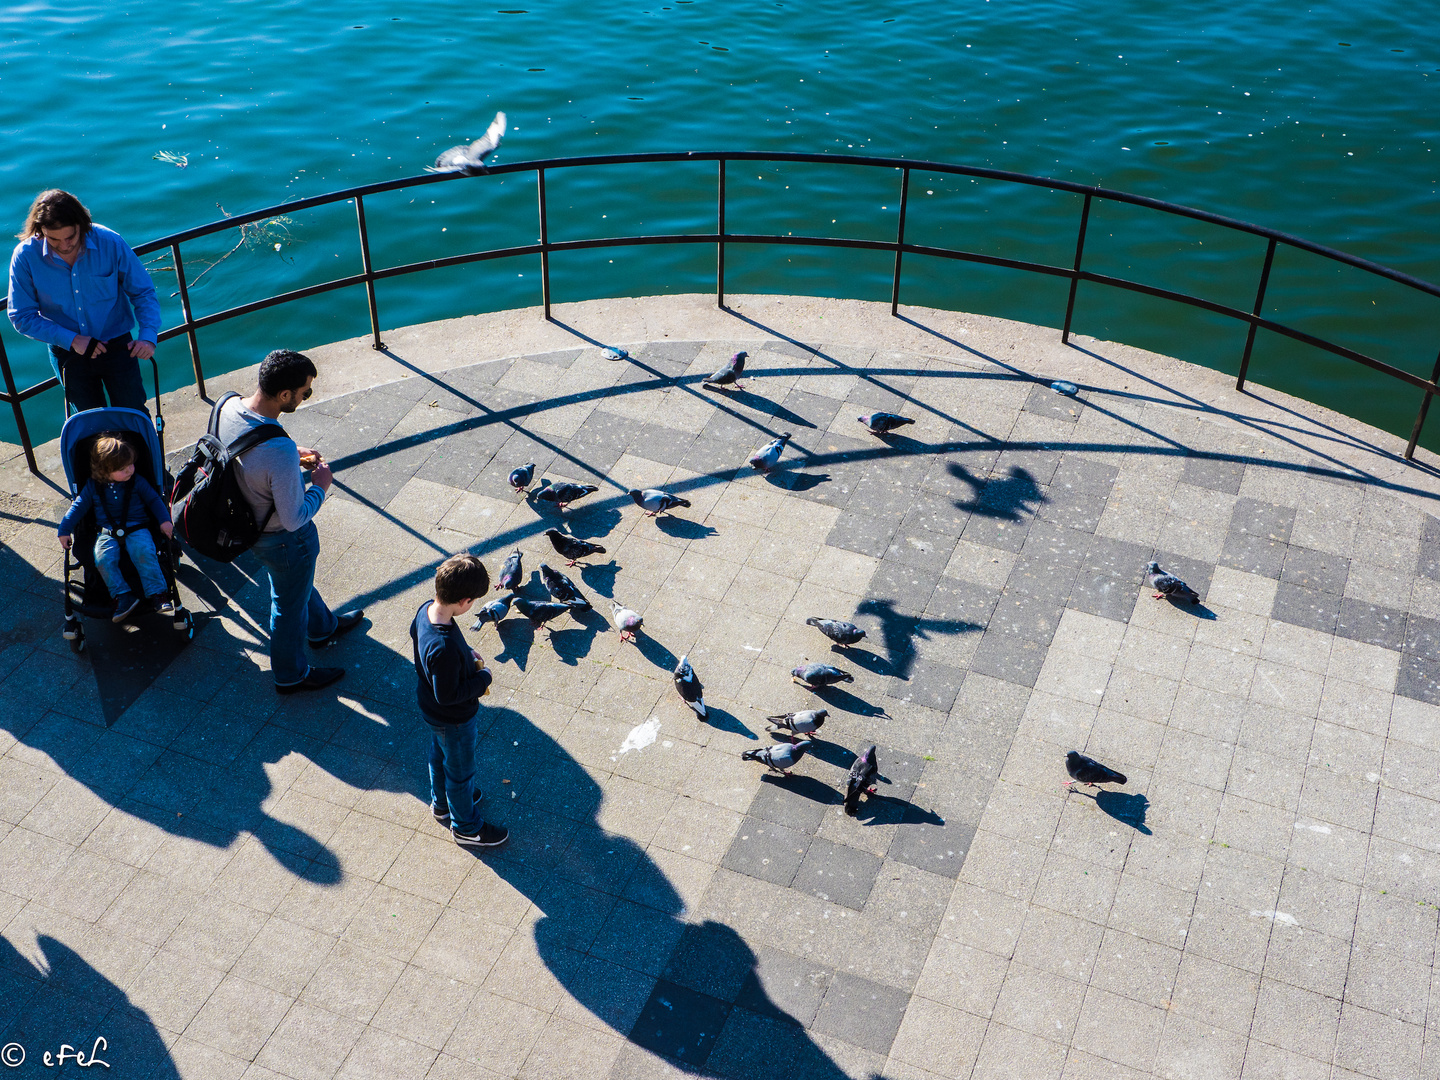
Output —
<point x="102" y="296"/>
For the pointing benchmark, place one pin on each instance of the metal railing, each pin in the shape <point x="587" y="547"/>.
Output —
<point x="722" y="237"/>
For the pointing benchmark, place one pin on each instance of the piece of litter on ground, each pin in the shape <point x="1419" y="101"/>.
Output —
<point x="641" y="736"/>
<point x="1276" y="916"/>
<point x="504" y="781"/>
<point x="1062" y="387"/>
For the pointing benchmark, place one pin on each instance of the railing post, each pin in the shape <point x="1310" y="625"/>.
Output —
<point x="375" y="342"/>
<point x="1419" y="420"/>
<point x="720" y="246"/>
<point x="1075" y="279"/>
<point x="13" y="396"/>
<point x="544" y="245"/>
<point x="900" y="241"/>
<point x="189" y="322"/>
<point x="1259" y="306"/>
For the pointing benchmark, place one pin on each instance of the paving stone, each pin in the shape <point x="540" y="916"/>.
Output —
<point x="1009" y="657"/>
<point x="933" y="685"/>
<point x="1316" y="570"/>
<point x="798" y="802"/>
<point x="1419" y="678"/>
<point x="767" y="851"/>
<point x="1259" y="533"/>
<point x="1044" y="401"/>
<point x="753" y="1045"/>
<point x="862" y="533"/>
<point x="938" y="846"/>
<point x="784" y="987"/>
<point x="1310" y="608"/>
<point x="1213" y="473"/>
<point x="711" y="959"/>
<point x="862" y="1012"/>
<point x="1370" y="623"/>
<point x="842" y="875"/>
<point x="1097" y="592"/>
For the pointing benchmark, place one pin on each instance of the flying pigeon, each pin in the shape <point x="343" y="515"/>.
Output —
<point x="572" y="547"/>
<point x="563" y="493"/>
<point x="1087" y="770"/>
<point x="781" y="758"/>
<point x="539" y="612"/>
<point x="562" y="590"/>
<point x="654" y="501"/>
<point x="1168" y="585"/>
<point x="863" y="771"/>
<point x="689" y="686"/>
<point x="626" y="621"/>
<point x="470" y="158"/>
<point x="838" y="631"/>
<point x="798" y="723"/>
<point x="511" y="573"/>
<point x="730" y="373"/>
<point x="493" y="612"/>
<point x="881" y="422"/>
<point x="520" y="478"/>
<point x="812" y="675"/>
<point x="768" y="456"/>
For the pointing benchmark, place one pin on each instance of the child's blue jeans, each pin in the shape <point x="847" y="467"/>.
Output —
<point x="140" y="546"/>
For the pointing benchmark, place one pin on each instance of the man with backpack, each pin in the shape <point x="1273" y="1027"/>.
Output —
<point x="270" y="476"/>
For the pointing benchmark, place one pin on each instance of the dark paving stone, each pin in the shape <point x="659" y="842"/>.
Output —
<point x="1079" y="512"/>
<point x="665" y="445"/>
<point x="478" y="376"/>
<point x="1042" y="576"/>
<point x="862" y="533"/>
<point x="636" y="937"/>
<point x="881" y="497"/>
<point x="839" y="874"/>
<point x="1057" y="543"/>
<point x="937" y="846"/>
<point x="885" y="393"/>
<point x="862" y="1012"/>
<point x="928" y="683"/>
<point x="378" y="481"/>
<point x="1032" y="618"/>
<point x="1422" y="636"/>
<point x="675" y="352"/>
<point x="908" y="587"/>
<point x="561" y="358"/>
<point x="996" y="532"/>
<point x="1216" y="475"/>
<point x="1429" y="565"/>
<point x="1011" y="492"/>
<point x="1419" y="678"/>
<point x="1097" y="592"/>
<point x="1316" y="570"/>
<point x="560" y="785"/>
<point x="1311" y="608"/>
<point x="959" y="475"/>
<point x="680" y="1024"/>
<point x="797" y="802"/>
<point x="1371" y="624"/>
<point x="752" y="1047"/>
<point x="1036" y="465"/>
<point x="710" y="456"/>
<point x="575" y="913"/>
<point x="455" y="463"/>
<point x="597" y="458"/>
<point x="784" y="987"/>
<point x="959" y="606"/>
<point x="934" y="513"/>
<point x="599" y="860"/>
<point x="921" y="549"/>
<point x="1047" y="402"/>
<point x="767" y="851"/>
<point x="1081" y="476"/>
<point x="615" y="994"/>
<point x="1259" y="533"/>
<point x="1193" y="572"/>
<point x="786" y="348"/>
<point x="712" y="959"/>
<point x="807" y="410"/>
<point x="1010" y="658"/>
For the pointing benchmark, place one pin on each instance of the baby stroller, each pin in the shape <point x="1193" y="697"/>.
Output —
<point x="89" y="596"/>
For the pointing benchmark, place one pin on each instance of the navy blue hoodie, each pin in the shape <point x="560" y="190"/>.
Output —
<point x="449" y="685"/>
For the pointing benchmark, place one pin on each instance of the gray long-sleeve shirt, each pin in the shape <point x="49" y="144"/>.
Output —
<point x="270" y="473"/>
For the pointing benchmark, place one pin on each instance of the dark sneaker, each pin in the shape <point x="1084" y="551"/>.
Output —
<point x="315" y="679"/>
<point x="487" y="836"/>
<point x="442" y="817"/>
<point x="162" y="604"/>
<point x="344" y="623"/>
<point x="125" y="603"/>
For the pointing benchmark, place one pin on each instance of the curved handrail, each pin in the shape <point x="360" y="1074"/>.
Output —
<point x="721" y="238"/>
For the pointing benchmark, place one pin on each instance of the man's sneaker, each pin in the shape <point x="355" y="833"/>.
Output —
<point x="487" y="836"/>
<point x="125" y="603"/>
<point x="315" y="679"/>
<point x="441" y="818"/>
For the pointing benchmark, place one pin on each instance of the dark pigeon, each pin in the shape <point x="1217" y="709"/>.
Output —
<point x="837" y="630"/>
<point x="540" y="612"/>
<point x="572" y="547"/>
<point x="1087" y="770"/>
<point x="729" y="375"/>
<point x="1168" y="585"/>
<point x="521" y="478"/>
<point x="493" y="612"/>
<point x="563" y="493"/>
<point x="562" y="590"/>
<point x="881" y="422"/>
<point x="654" y="501"/>
<point x="469" y="158"/>
<point x="781" y="758"/>
<point x="511" y="573"/>
<point x="813" y="675"/>
<point x="768" y="456"/>
<point x="689" y="686"/>
<point x="798" y="723"/>
<point x="863" y="771"/>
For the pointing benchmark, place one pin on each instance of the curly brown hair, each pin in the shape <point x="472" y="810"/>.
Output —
<point x="55" y="209"/>
<point x="109" y="455"/>
<point x="461" y="577"/>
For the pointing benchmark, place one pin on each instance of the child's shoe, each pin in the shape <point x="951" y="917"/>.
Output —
<point x="162" y="604"/>
<point x="125" y="603"/>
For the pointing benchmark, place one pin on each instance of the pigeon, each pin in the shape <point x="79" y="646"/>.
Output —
<point x="838" y="631"/>
<point x="781" y="758"/>
<point x="539" y="612"/>
<point x="689" y="686"/>
<point x="572" y="547"/>
<point x="863" y="771"/>
<point x="654" y="501"/>
<point x="730" y="373"/>
<point x="511" y="573"/>
<point x="626" y="621"/>
<point x="798" y="723"/>
<point x="1168" y="585"/>
<point x="469" y="158"/>
<point x="520" y="478"/>
<point x="881" y="422"/>
<point x="768" y="456"/>
<point x="563" y="493"/>
<point x="812" y="675"/>
<point x="1087" y="770"/>
<point x="562" y="590"/>
<point x="493" y="612"/>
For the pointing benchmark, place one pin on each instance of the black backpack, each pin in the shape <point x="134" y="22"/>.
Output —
<point x="210" y="511"/>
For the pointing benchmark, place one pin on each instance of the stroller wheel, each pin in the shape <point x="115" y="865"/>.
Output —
<point x="72" y="631"/>
<point x="77" y="645"/>
<point x="186" y="625"/>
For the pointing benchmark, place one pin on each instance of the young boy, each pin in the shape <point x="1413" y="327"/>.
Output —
<point x="123" y="503"/>
<point x="452" y="678"/>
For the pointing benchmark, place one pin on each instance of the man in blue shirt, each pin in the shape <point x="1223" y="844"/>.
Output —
<point x="79" y="288"/>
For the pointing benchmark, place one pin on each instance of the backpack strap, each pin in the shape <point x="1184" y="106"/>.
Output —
<point x="214" y="426"/>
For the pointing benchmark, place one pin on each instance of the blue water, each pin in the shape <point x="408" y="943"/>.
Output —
<point x="1320" y="122"/>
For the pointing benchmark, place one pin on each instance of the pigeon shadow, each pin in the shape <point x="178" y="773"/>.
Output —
<point x="656" y="653"/>
<point x="1197" y="609"/>
<point x="796" y="481"/>
<point x="600" y="577"/>
<point x="807" y="787"/>
<point x="769" y="408"/>
<point x="1007" y="498"/>
<point x="721" y="720"/>
<point x="824" y="750"/>
<point x="845" y="701"/>
<point x="573" y="641"/>
<point x="592" y="522"/>
<point x="1127" y="809"/>
<point x="897" y="635"/>
<point x="683" y="528"/>
<point x="518" y="638"/>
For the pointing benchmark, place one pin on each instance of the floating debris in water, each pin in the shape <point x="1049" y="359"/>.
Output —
<point x="171" y="158"/>
<point x="1068" y="388"/>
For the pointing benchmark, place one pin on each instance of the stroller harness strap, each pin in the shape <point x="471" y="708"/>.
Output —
<point x="102" y="507"/>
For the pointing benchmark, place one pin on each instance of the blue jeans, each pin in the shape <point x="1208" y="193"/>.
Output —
<point x="140" y="546"/>
<point x="86" y="381"/>
<point x="452" y="773"/>
<point x="296" y="610"/>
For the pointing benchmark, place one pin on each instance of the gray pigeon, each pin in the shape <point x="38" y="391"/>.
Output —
<point x="469" y="158"/>
<point x="689" y="686"/>
<point x="813" y="675"/>
<point x="837" y="630"/>
<point x="493" y="612"/>
<point x="768" y="456"/>
<point x="540" y="612"/>
<point x="729" y="375"/>
<point x="511" y="573"/>
<point x="572" y="547"/>
<point x="521" y="478"/>
<point x="1086" y="770"/>
<point x="863" y="771"/>
<point x="626" y="621"/>
<point x="798" y="723"/>
<point x="881" y="422"/>
<point x="654" y="501"/>
<point x="781" y="758"/>
<point x="1168" y="585"/>
<point x="562" y="590"/>
<point x="563" y="493"/>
